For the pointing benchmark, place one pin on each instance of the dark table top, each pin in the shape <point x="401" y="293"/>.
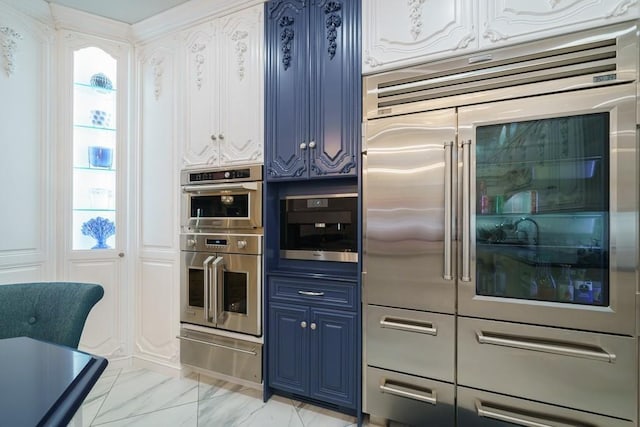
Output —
<point x="43" y="384"/>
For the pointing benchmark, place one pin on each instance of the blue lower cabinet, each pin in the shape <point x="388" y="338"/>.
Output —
<point x="333" y="357"/>
<point x="288" y="348"/>
<point x="312" y="353"/>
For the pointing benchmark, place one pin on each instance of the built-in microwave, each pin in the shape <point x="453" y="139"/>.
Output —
<point x="319" y="227"/>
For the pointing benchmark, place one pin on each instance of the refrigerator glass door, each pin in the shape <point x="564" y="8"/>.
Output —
<point x="408" y="215"/>
<point x="553" y="210"/>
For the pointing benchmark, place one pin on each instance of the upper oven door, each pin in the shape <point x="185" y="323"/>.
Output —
<point x="207" y="207"/>
<point x="550" y="210"/>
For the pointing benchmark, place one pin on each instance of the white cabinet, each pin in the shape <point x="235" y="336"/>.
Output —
<point x="156" y="290"/>
<point x="505" y="22"/>
<point x="223" y="114"/>
<point x="400" y="33"/>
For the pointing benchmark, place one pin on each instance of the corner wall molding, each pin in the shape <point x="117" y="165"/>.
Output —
<point x="9" y="46"/>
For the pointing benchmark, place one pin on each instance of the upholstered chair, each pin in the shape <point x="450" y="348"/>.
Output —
<point x="49" y="311"/>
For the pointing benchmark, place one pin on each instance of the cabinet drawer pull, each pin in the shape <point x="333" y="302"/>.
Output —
<point x="503" y="414"/>
<point x="526" y="343"/>
<point x="408" y="391"/>
<point x="311" y="293"/>
<point x="408" y="325"/>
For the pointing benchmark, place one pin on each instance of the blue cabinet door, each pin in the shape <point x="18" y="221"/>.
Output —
<point x="287" y="89"/>
<point x="335" y="88"/>
<point x="288" y="348"/>
<point x="312" y="89"/>
<point x="333" y="357"/>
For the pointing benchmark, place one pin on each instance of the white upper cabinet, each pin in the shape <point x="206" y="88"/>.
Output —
<point x="505" y="22"/>
<point x="400" y="33"/>
<point x="224" y="90"/>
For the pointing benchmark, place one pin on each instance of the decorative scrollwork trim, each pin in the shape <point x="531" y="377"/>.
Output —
<point x="415" y="16"/>
<point x="286" y="37"/>
<point x="241" y="49"/>
<point x="9" y="46"/>
<point x="332" y="23"/>
<point x="157" y="66"/>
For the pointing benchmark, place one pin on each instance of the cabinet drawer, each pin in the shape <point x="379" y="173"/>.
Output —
<point x="481" y="408"/>
<point x="313" y="292"/>
<point x="581" y="370"/>
<point x="407" y="399"/>
<point x="409" y="341"/>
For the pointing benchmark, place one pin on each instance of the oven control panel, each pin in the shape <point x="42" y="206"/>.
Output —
<point x="223" y="243"/>
<point x="220" y="175"/>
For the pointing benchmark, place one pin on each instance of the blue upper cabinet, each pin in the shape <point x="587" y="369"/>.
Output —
<point x="313" y="93"/>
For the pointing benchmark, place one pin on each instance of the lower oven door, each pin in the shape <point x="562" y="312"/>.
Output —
<point x="222" y="291"/>
<point x="238" y="293"/>
<point x="224" y="355"/>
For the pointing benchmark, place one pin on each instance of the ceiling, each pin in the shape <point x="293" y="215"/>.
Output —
<point x="129" y="11"/>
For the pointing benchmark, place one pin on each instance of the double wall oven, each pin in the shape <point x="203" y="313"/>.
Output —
<point x="221" y="271"/>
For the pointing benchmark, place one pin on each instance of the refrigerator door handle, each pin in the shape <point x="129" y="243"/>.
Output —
<point x="448" y="183"/>
<point x="568" y="349"/>
<point x="466" y="214"/>
<point x="485" y="411"/>
<point x="419" y="395"/>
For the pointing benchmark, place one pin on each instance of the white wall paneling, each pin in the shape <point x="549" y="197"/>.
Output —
<point x="27" y="192"/>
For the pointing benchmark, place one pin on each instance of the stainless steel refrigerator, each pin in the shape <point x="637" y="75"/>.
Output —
<point x="500" y="227"/>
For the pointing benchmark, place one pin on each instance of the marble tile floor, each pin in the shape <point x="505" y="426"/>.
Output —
<point x="143" y="398"/>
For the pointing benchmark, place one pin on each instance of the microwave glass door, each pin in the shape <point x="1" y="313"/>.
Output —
<point x="550" y="222"/>
<point x="542" y="209"/>
<point x="220" y="206"/>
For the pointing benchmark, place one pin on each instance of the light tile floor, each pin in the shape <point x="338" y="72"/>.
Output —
<point x="141" y="398"/>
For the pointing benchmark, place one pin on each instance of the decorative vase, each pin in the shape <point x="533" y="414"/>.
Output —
<point x="100" y="157"/>
<point x="100" y="80"/>
<point x="100" y="229"/>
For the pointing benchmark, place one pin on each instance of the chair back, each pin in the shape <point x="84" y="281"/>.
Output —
<point x="49" y="311"/>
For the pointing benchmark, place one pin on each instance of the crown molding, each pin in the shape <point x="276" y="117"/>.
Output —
<point x="34" y="9"/>
<point x="192" y="12"/>
<point x="75" y="20"/>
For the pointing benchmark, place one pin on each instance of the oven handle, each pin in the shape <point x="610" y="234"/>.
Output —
<point x="216" y="187"/>
<point x="217" y="282"/>
<point x="205" y="266"/>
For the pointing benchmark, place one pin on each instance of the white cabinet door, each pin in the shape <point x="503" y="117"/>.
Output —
<point x="514" y="21"/>
<point x="224" y="90"/>
<point x="201" y="86"/>
<point x="399" y="33"/>
<point x="241" y="74"/>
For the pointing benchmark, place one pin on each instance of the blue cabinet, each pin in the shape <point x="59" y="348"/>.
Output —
<point x="313" y="89"/>
<point x="312" y="349"/>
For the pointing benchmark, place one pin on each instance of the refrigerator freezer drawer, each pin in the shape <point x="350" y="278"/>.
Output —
<point x="484" y="409"/>
<point x="581" y="370"/>
<point x="408" y="399"/>
<point x="228" y="356"/>
<point x="409" y="341"/>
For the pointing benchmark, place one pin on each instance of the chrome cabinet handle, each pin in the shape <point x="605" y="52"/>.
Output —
<point x="502" y="414"/>
<point x="311" y="293"/>
<point x="466" y="214"/>
<point x="251" y="352"/>
<point x="303" y="324"/>
<point x="220" y="136"/>
<point x="313" y="326"/>
<point x="419" y="395"/>
<point x="448" y="183"/>
<point x="213" y="137"/>
<point x="408" y="325"/>
<point x="219" y="278"/>
<point x="205" y="267"/>
<point x="312" y="144"/>
<point x="535" y="344"/>
<point x="303" y="146"/>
